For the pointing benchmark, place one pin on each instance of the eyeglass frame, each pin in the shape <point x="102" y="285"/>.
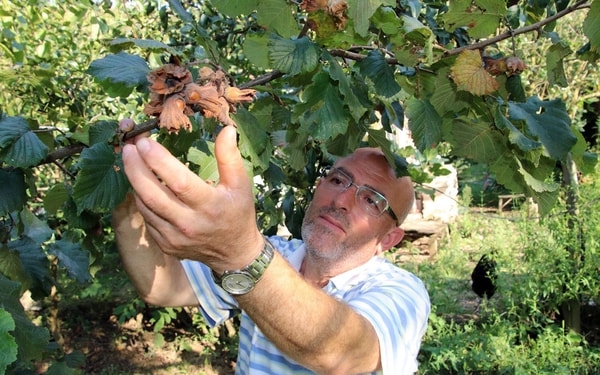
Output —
<point x="351" y="183"/>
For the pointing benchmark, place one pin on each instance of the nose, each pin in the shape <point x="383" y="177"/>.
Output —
<point x="344" y="199"/>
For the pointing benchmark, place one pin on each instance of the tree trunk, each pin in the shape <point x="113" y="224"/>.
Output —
<point x="571" y="309"/>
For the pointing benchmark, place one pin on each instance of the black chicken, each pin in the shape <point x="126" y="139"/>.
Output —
<point x="484" y="277"/>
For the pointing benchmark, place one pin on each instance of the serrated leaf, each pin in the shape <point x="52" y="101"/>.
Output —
<point x="444" y="98"/>
<point x="183" y="14"/>
<point x="101" y="183"/>
<point x="254" y="141"/>
<point x="8" y="345"/>
<point x="591" y="25"/>
<point x="481" y="17"/>
<point x="375" y="68"/>
<point x="277" y="16"/>
<point x="35" y="263"/>
<point x="73" y="258"/>
<point x="102" y="131"/>
<point x="475" y="140"/>
<point x="12" y="190"/>
<point x="337" y="74"/>
<point x="360" y="11"/>
<point x="256" y="50"/>
<point x="20" y="147"/>
<point x="11" y="266"/>
<point x="233" y="8"/>
<point x="293" y="56"/>
<point x="31" y="339"/>
<point x="322" y="113"/>
<point x="120" y="73"/>
<point x="547" y="120"/>
<point x="469" y="74"/>
<point x="515" y="136"/>
<point x="554" y="62"/>
<point x="424" y="122"/>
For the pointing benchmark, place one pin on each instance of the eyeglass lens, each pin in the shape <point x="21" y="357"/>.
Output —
<point x="371" y="201"/>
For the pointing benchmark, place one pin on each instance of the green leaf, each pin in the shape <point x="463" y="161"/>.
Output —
<point x="322" y="113"/>
<point x="356" y="108"/>
<point x="591" y="25"/>
<point x="11" y="266"/>
<point x="34" y="228"/>
<point x="103" y="132"/>
<point x="293" y="56"/>
<point x="481" y="17"/>
<point x="445" y="97"/>
<point x="56" y="196"/>
<point x="101" y="184"/>
<point x="31" y="340"/>
<point x="12" y="190"/>
<point x="475" y="140"/>
<point x="35" y="263"/>
<point x="19" y="146"/>
<point x="360" y="11"/>
<point x="254" y="141"/>
<point x="549" y="121"/>
<point x="203" y="155"/>
<point x="147" y="44"/>
<point x="120" y="73"/>
<point x="183" y="14"/>
<point x="233" y="8"/>
<point x="8" y="345"/>
<point x="73" y="258"/>
<point x="277" y="16"/>
<point x="424" y="122"/>
<point x="256" y="50"/>
<point x="554" y="61"/>
<point x="515" y="136"/>
<point x="378" y="71"/>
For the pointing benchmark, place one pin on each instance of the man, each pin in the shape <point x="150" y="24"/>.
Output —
<point x="330" y="305"/>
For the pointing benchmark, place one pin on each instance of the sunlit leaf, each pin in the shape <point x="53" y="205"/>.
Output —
<point x="277" y="16"/>
<point x="591" y="25"/>
<point x="470" y="75"/>
<point x="549" y="121"/>
<point x="148" y="44"/>
<point x="55" y="197"/>
<point x="101" y="184"/>
<point x="120" y="73"/>
<point x="8" y="345"/>
<point x="256" y="50"/>
<point x="481" y="17"/>
<point x="360" y="11"/>
<point x="476" y="140"/>
<point x="356" y="108"/>
<point x="293" y="56"/>
<point x="233" y="8"/>
<point x="515" y="135"/>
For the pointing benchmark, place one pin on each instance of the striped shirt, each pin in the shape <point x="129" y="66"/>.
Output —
<point x="393" y="300"/>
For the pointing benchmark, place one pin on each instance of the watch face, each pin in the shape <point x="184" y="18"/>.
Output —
<point x="237" y="283"/>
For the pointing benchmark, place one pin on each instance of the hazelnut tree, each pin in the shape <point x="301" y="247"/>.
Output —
<point x="302" y="81"/>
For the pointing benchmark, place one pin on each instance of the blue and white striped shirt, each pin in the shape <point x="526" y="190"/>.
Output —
<point x="393" y="300"/>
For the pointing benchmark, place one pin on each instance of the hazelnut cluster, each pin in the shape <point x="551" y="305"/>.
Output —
<point x="174" y="96"/>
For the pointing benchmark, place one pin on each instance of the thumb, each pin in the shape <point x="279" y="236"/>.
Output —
<point x="229" y="159"/>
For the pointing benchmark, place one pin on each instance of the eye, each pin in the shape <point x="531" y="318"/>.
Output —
<point x="335" y="178"/>
<point x="371" y="199"/>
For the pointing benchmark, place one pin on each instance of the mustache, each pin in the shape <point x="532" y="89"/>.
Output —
<point x="335" y="213"/>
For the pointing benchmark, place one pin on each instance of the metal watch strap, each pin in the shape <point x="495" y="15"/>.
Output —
<point x="256" y="268"/>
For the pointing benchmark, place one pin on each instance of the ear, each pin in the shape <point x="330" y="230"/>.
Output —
<point x="392" y="238"/>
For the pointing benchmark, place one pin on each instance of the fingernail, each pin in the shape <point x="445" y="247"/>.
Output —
<point x="143" y="144"/>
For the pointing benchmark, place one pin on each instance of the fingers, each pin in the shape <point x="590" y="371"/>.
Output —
<point x="229" y="160"/>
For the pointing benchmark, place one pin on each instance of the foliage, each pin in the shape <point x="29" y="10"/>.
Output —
<point x="520" y="329"/>
<point x="327" y="82"/>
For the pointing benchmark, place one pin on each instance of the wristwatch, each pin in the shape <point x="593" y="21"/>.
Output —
<point x="242" y="281"/>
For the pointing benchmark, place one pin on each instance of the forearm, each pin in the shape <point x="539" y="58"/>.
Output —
<point x="309" y="326"/>
<point x="154" y="274"/>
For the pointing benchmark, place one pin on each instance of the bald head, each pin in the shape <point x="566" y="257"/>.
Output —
<point x="372" y="164"/>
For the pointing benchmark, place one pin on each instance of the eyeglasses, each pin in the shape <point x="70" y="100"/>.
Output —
<point x="369" y="200"/>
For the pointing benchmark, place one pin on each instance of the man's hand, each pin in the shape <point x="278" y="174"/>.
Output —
<point x="189" y="218"/>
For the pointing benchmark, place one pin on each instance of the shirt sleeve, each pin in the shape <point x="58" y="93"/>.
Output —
<point x="398" y="308"/>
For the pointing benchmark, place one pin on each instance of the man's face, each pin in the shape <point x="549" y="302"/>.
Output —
<point x="335" y="227"/>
